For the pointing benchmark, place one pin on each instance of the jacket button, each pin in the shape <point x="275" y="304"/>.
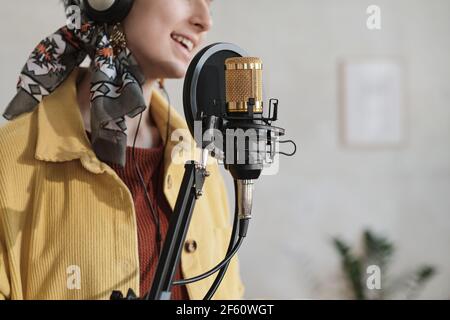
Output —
<point x="190" y="246"/>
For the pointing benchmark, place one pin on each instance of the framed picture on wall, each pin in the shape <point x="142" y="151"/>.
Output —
<point x="372" y="111"/>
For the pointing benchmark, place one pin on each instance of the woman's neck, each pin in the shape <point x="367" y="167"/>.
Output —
<point x="148" y="135"/>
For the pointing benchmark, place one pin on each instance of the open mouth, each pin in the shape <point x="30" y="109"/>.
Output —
<point x="185" y="42"/>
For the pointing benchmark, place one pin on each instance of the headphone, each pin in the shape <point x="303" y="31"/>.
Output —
<point x="107" y="11"/>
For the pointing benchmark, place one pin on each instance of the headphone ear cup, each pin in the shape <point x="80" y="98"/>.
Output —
<point x="107" y="11"/>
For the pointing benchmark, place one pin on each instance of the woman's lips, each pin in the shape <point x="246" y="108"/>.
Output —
<point x="184" y="40"/>
<point x="186" y="55"/>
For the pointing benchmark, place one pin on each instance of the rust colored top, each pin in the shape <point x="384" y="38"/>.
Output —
<point x="150" y="165"/>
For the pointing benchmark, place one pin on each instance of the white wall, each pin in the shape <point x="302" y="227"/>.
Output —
<point x="326" y="190"/>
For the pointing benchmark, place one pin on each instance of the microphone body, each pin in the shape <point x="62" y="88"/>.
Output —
<point x="246" y="131"/>
<point x="245" y="135"/>
<point x="224" y="93"/>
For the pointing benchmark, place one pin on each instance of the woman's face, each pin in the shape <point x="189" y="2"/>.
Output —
<point x="164" y="35"/>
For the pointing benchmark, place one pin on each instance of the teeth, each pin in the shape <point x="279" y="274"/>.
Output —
<point x="186" y="42"/>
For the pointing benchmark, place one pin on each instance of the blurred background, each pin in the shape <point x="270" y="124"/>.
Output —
<point x="341" y="203"/>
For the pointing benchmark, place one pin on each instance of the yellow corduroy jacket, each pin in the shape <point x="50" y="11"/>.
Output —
<point x="67" y="221"/>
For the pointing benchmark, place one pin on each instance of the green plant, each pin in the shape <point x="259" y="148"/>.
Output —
<point x="378" y="251"/>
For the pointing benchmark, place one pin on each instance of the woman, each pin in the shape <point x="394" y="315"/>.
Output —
<point x="88" y="176"/>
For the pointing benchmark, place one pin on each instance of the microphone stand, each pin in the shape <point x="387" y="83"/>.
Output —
<point x="191" y="189"/>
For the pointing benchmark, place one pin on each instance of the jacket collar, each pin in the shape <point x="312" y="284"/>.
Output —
<point x="61" y="134"/>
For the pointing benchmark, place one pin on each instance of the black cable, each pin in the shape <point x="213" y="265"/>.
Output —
<point x="234" y="245"/>
<point x="159" y="238"/>
<point x="216" y="268"/>
<point x="212" y="290"/>
<point x="231" y="243"/>
<point x="243" y="227"/>
<point x="293" y="152"/>
<point x="155" y="215"/>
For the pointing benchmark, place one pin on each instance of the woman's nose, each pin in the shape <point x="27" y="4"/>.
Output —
<point x="201" y="16"/>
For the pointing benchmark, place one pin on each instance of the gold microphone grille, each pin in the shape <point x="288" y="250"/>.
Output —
<point x="243" y="77"/>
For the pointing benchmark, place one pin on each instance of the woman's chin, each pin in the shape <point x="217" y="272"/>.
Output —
<point x="167" y="69"/>
<point x="176" y="71"/>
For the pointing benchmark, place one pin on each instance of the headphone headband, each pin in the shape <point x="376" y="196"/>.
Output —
<point x="107" y="11"/>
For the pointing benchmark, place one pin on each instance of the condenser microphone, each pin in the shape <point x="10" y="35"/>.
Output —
<point x="244" y="105"/>
<point x="223" y="91"/>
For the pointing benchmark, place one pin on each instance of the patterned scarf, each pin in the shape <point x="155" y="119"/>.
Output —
<point x="115" y="88"/>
